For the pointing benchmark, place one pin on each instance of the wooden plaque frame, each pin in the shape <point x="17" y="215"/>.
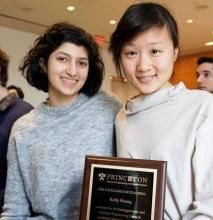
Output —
<point x="123" y="188"/>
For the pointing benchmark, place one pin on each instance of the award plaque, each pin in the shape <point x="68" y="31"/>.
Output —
<point x="123" y="189"/>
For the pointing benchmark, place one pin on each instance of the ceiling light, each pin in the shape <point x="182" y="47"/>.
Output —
<point x="112" y="21"/>
<point x="70" y="8"/>
<point x="189" y="21"/>
<point x="210" y="43"/>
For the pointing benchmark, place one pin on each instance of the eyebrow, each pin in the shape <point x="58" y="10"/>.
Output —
<point x="67" y="54"/>
<point x="134" y="44"/>
<point x="203" y="72"/>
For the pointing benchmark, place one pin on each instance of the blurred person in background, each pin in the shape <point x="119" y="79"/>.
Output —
<point x="16" y="90"/>
<point x="204" y="74"/>
<point x="11" y="108"/>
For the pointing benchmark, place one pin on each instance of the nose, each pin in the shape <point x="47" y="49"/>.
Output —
<point x="144" y="62"/>
<point x="200" y="78"/>
<point x="71" y="69"/>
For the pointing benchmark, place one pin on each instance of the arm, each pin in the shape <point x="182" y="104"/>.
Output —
<point x="16" y="205"/>
<point x="202" y="163"/>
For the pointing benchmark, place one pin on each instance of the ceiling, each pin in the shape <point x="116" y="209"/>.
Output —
<point x="94" y="15"/>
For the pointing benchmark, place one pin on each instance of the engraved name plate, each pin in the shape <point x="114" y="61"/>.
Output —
<point x="120" y="188"/>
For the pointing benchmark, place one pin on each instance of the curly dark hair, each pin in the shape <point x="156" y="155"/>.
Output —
<point x="140" y="18"/>
<point x="4" y="61"/>
<point x="46" y="44"/>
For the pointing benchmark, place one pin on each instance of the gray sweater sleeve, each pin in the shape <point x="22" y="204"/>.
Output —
<point x="18" y="201"/>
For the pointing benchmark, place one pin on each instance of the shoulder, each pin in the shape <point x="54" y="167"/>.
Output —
<point x="21" y="105"/>
<point x="108" y="98"/>
<point x="198" y="105"/>
<point x="108" y="101"/>
<point x="199" y="97"/>
<point x="103" y="103"/>
<point x="17" y="109"/>
<point x="26" y="121"/>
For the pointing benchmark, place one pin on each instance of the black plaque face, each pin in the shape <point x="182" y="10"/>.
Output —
<point x="116" y="188"/>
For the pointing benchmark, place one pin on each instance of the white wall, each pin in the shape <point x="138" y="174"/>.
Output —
<point x="16" y="43"/>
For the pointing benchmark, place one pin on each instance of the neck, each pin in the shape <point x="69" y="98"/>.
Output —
<point x="3" y="92"/>
<point x="57" y="101"/>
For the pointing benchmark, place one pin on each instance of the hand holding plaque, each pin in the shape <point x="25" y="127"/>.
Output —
<point x="118" y="188"/>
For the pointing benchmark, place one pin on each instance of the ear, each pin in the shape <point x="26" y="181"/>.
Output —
<point x="176" y="51"/>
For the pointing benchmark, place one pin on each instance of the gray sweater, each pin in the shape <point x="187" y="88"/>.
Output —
<point x="46" y="156"/>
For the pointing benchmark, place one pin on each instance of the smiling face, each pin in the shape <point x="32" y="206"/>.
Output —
<point x="67" y="71"/>
<point x="205" y="77"/>
<point x="147" y="60"/>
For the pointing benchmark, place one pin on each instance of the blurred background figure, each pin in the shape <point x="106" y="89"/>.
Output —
<point x="204" y="73"/>
<point x="12" y="89"/>
<point x="11" y="108"/>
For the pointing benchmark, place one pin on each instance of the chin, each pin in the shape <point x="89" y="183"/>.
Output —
<point x="147" y="92"/>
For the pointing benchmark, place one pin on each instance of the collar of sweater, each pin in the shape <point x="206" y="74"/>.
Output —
<point x="56" y="111"/>
<point x="142" y="103"/>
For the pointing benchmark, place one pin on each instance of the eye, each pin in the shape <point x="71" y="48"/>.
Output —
<point x="83" y="63"/>
<point x="131" y="53"/>
<point x="62" y="59"/>
<point x="206" y="75"/>
<point x="155" y="52"/>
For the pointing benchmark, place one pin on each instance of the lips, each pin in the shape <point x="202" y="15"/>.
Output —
<point x="146" y="79"/>
<point x="68" y="81"/>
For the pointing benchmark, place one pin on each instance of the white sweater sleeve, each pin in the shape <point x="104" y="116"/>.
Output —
<point x="202" y="163"/>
